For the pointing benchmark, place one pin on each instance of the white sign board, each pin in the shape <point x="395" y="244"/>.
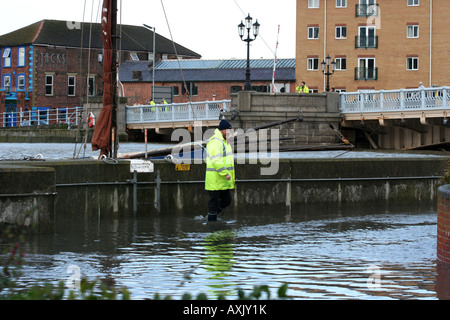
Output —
<point x="141" y="166"/>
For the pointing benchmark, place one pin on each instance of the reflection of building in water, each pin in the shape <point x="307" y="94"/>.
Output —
<point x="219" y="259"/>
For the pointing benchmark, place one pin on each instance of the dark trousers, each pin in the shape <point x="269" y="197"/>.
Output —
<point x="218" y="200"/>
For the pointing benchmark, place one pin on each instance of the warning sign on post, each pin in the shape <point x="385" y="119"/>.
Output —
<point x="182" y="167"/>
<point x="141" y="166"/>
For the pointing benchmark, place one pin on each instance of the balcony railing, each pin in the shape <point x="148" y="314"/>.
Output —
<point x="366" y="73"/>
<point x="365" y="10"/>
<point x="366" y="42"/>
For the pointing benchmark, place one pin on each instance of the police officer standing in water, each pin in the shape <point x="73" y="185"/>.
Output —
<point x="220" y="177"/>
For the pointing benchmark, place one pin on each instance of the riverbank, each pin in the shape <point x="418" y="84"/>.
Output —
<point x="48" y="134"/>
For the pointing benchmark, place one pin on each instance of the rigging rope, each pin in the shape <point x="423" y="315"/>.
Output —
<point x="81" y="73"/>
<point x="86" y="134"/>
<point x="88" y="72"/>
<point x="178" y="59"/>
<point x="275" y="62"/>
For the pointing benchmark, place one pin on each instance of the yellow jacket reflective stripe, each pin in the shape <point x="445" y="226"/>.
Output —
<point x="219" y="163"/>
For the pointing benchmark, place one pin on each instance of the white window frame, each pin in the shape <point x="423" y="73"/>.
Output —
<point x="49" y="84"/>
<point x="412" y="63"/>
<point x="412" y="3"/>
<point x="6" y="57"/>
<point x="21" y="54"/>
<point x="91" y="91"/>
<point x="313" y="4"/>
<point x="339" y="64"/>
<point x="69" y="86"/>
<point x="368" y="2"/>
<point x="414" y="29"/>
<point x="313" y="33"/>
<point x="7" y="83"/>
<point x="366" y="32"/>
<point x="21" y="82"/>
<point x="341" y="3"/>
<point x="363" y="63"/>
<point x="340" y="28"/>
<point x="312" y="64"/>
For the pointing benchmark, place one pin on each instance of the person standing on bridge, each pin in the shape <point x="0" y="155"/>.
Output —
<point x="153" y="104"/>
<point x="220" y="175"/>
<point x="303" y="88"/>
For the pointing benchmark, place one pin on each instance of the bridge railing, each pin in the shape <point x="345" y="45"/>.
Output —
<point x="396" y="100"/>
<point x="72" y="116"/>
<point x="176" y="112"/>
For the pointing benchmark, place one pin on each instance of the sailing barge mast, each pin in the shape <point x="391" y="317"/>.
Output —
<point x="105" y="133"/>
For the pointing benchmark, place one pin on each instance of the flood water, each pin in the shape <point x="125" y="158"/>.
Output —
<point x="20" y="151"/>
<point x="329" y="253"/>
<point x="321" y="255"/>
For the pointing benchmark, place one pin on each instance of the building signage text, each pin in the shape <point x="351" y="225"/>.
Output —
<point x="53" y="58"/>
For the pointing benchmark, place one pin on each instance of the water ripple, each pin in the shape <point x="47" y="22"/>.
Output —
<point x="385" y="256"/>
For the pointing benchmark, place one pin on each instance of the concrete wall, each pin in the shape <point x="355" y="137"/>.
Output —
<point x="301" y="183"/>
<point x="85" y="190"/>
<point x="42" y="135"/>
<point x="90" y="190"/>
<point x="250" y="109"/>
<point x="27" y="197"/>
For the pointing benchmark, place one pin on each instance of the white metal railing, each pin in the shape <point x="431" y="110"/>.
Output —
<point x="176" y="112"/>
<point x="402" y="100"/>
<point x="73" y="116"/>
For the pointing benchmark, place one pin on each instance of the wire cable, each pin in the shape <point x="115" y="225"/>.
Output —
<point x="178" y="60"/>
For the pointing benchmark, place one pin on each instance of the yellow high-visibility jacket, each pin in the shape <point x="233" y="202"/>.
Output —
<point x="153" y="108"/>
<point x="219" y="163"/>
<point x="302" y="89"/>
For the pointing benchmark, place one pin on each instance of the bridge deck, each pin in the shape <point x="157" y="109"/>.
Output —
<point x="396" y="104"/>
<point x="177" y="115"/>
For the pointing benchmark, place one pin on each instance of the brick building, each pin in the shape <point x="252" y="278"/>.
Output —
<point x="377" y="44"/>
<point x="53" y="64"/>
<point x="205" y="80"/>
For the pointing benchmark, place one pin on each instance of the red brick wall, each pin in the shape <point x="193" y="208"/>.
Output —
<point x="60" y="62"/>
<point x="443" y="225"/>
<point x="137" y="92"/>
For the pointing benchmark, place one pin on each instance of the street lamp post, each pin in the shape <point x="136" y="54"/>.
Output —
<point x="241" y="27"/>
<point x="326" y="65"/>
<point x="153" y="57"/>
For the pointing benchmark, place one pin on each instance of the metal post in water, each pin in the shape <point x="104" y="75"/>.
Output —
<point x="134" y="192"/>
<point x="158" y="192"/>
<point x="146" y="154"/>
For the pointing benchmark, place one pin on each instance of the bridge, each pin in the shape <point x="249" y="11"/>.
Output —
<point x="396" y="104"/>
<point x="388" y="119"/>
<point x="399" y="119"/>
<point x="176" y="115"/>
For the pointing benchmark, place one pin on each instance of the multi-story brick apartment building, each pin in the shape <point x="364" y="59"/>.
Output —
<point x="56" y="64"/>
<point x="376" y="44"/>
<point x="205" y="80"/>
